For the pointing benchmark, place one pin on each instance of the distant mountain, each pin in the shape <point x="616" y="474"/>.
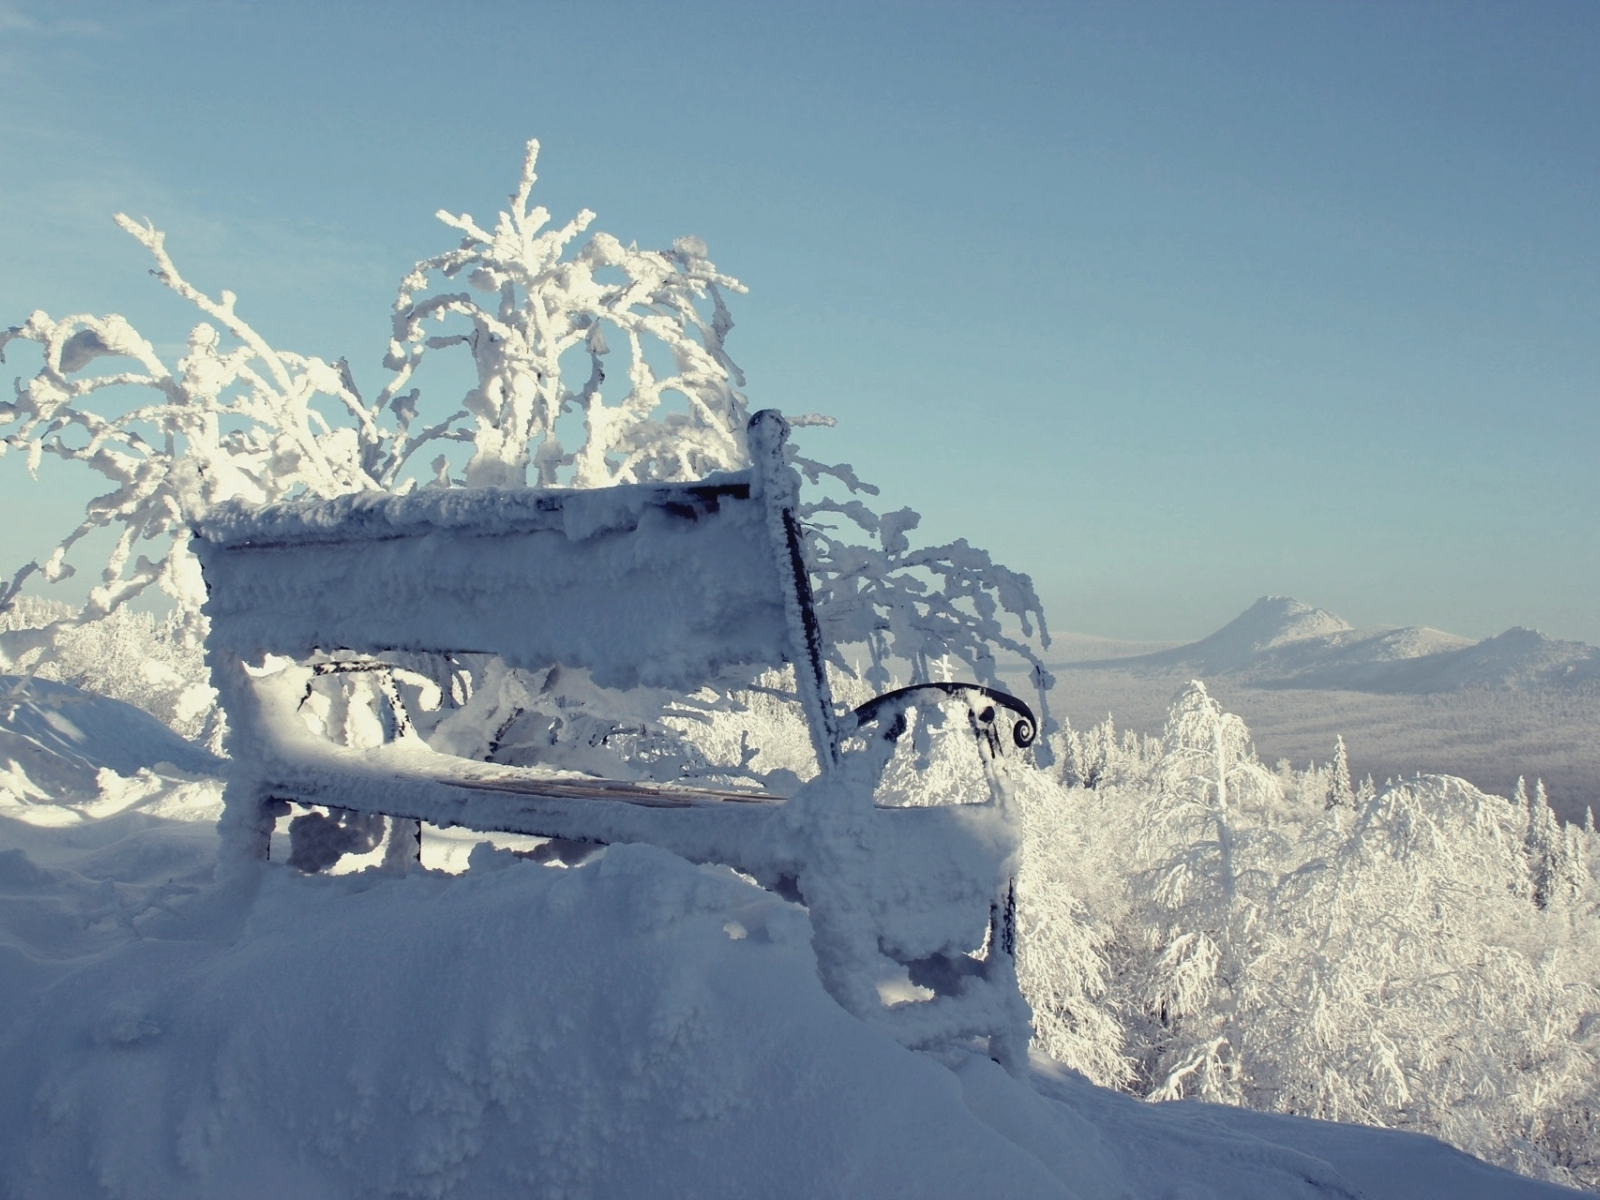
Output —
<point x="1282" y="642"/>
<point x="1269" y="624"/>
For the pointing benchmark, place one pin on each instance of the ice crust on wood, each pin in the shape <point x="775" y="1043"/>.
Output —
<point x="485" y="511"/>
<point x="631" y="588"/>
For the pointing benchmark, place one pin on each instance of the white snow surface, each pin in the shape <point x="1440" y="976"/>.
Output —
<point x="637" y="1026"/>
<point x="55" y="739"/>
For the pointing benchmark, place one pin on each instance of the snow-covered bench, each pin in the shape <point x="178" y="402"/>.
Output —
<point x="653" y="585"/>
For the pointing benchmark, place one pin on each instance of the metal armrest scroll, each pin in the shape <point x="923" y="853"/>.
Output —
<point x="889" y="710"/>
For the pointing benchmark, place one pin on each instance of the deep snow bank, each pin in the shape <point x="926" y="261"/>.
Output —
<point x="635" y="1027"/>
<point x="640" y="1027"/>
<point x="54" y="740"/>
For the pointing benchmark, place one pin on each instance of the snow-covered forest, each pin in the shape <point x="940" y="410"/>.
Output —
<point x="1412" y="952"/>
<point x="1194" y="923"/>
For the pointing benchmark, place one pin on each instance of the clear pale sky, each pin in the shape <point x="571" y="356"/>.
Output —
<point x="1169" y="305"/>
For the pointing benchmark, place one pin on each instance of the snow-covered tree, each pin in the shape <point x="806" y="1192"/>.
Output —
<point x="1208" y="850"/>
<point x="1068" y="749"/>
<point x="1101" y="757"/>
<point x="1556" y="873"/>
<point x="913" y="605"/>
<point x="236" y="418"/>
<point x="1406" y="985"/>
<point x="1100" y="753"/>
<point x="542" y="311"/>
<point x="1379" y="963"/>
<point x="530" y="304"/>
<point x="1542" y="844"/>
<point x="1064" y="949"/>
<point x="1340" y="792"/>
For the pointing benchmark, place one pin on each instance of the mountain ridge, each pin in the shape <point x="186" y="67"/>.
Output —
<point x="1283" y="642"/>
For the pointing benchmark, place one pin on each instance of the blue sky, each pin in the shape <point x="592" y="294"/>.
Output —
<point x="1169" y="305"/>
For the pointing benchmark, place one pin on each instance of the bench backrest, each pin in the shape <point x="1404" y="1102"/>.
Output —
<point x="660" y="585"/>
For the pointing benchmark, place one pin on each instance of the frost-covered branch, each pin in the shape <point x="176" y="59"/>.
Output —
<point x="530" y="305"/>
<point x="543" y="311"/>
<point x="920" y="606"/>
<point x="233" y="420"/>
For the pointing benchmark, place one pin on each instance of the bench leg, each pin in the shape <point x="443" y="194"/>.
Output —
<point x="1009" y="1045"/>
<point x="247" y="824"/>
<point x="404" y="850"/>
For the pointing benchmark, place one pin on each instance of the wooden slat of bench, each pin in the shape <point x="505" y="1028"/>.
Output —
<point x="413" y="764"/>
<point x="700" y="824"/>
<point x="618" y="790"/>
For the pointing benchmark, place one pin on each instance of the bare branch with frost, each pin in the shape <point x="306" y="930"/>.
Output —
<point x="537" y="306"/>
<point x="238" y="420"/>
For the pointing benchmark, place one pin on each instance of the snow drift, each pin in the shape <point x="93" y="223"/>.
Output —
<point x="55" y="739"/>
<point x="636" y="1026"/>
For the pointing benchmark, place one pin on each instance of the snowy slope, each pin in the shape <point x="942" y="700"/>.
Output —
<point x="54" y="739"/>
<point x="633" y="1027"/>
<point x="1282" y="642"/>
<point x="638" y="1027"/>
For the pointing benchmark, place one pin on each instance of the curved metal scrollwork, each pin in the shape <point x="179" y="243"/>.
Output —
<point x="893" y="705"/>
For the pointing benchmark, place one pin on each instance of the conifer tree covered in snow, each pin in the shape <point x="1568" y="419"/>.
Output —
<point x="1340" y="792"/>
<point x="1542" y="843"/>
<point x="1555" y="858"/>
<point x="1366" y="791"/>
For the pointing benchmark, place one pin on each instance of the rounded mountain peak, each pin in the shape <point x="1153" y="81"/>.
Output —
<point x="1272" y="621"/>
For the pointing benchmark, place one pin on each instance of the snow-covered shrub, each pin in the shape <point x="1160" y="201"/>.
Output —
<point x="541" y="311"/>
